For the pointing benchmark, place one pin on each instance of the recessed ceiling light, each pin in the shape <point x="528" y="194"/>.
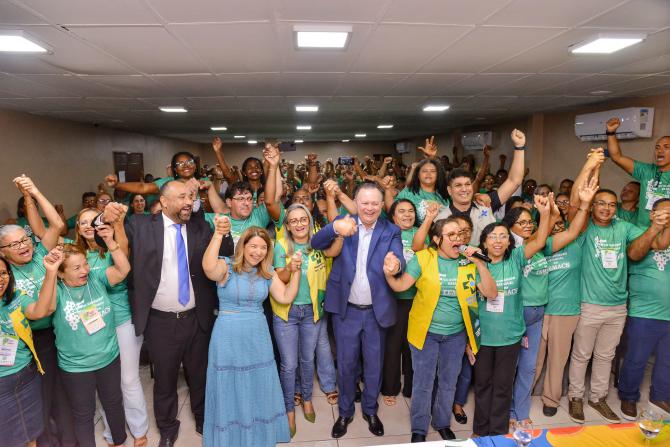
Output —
<point x="606" y="44"/>
<point x="345" y="141"/>
<point x="239" y="136"/>
<point x="322" y="36"/>
<point x="601" y="92"/>
<point x="303" y="127"/>
<point x="173" y="109"/>
<point x="252" y="142"/>
<point x="16" y="41"/>
<point x="436" y="108"/>
<point x="360" y="135"/>
<point x="298" y="141"/>
<point x="385" y="126"/>
<point x="218" y="128"/>
<point x="306" y="108"/>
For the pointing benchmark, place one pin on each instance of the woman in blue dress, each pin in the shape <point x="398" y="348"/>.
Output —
<point x="244" y="404"/>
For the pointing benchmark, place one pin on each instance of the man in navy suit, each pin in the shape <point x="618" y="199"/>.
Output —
<point x="362" y="303"/>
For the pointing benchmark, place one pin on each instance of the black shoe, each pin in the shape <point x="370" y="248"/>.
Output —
<point x="418" y="438"/>
<point x="461" y="418"/>
<point x="549" y="411"/>
<point x="168" y="441"/>
<point x="446" y="434"/>
<point x="357" y="397"/>
<point x="340" y="427"/>
<point x="374" y="424"/>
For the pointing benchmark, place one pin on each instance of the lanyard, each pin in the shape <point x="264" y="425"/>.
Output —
<point x="88" y="289"/>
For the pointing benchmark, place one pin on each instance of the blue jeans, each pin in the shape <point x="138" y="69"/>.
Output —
<point x="296" y="337"/>
<point x="442" y="354"/>
<point x="645" y="337"/>
<point x="463" y="384"/>
<point x="325" y="367"/>
<point x="525" y="369"/>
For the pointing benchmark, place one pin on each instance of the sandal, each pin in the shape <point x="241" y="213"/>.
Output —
<point x="390" y="400"/>
<point x="297" y="399"/>
<point x="332" y="397"/>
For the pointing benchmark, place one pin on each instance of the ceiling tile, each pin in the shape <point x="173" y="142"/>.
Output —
<point x="481" y="43"/>
<point x="211" y="42"/>
<point x="395" y="48"/>
<point x="25" y="87"/>
<point x="331" y="11"/>
<point x="149" y="49"/>
<point x="11" y="14"/>
<point x="93" y="12"/>
<point x="459" y="12"/>
<point x="425" y="84"/>
<point x="547" y="13"/>
<point x="310" y="84"/>
<point x="74" y="85"/>
<point x="375" y="84"/>
<point x="648" y="66"/>
<point x="584" y="85"/>
<point x="193" y="85"/>
<point x="531" y="83"/>
<point x="638" y="13"/>
<point x="478" y="84"/>
<point x="261" y="84"/>
<point x="130" y="85"/>
<point x="638" y="84"/>
<point x="178" y="11"/>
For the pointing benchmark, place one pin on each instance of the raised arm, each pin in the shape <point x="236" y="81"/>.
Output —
<point x="312" y="169"/>
<point x="385" y="164"/>
<point x="33" y="215"/>
<point x="419" y="240"/>
<point x="535" y="245"/>
<point x="286" y="293"/>
<point x="345" y="226"/>
<point x="516" y="170"/>
<point x="429" y="149"/>
<point x="118" y="271"/>
<point x="273" y="185"/>
<point x="56" y="224"/>
<point x="392" y="266"/>
<point x="590" y="169"/>
<point x="483" y="169"/>
<point x="639" y="248"/>
<point x="112" y="181"/>
<point x="228" y="173"/>
<point x="46" y="301"/>
<point x="625" y="163"/>
<point x="216" y="269"/>
<point x="586" y="193"/>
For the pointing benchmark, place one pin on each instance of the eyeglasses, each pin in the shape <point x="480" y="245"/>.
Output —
<point x="17" y="244"/>
<point x="301" y="221"/>
<point x="563" y="202"/>
<point x="605" y="204"/>
<point x="105" y="201"/>
<point x="464" y="232"/>
<point x="185" y="164"/>
<point x="243" y="199"/>
<point x="4" y="276"/>
<point x="498" y="237"/>
<point x="453" y="237"/>
<point x="524" y="223"/>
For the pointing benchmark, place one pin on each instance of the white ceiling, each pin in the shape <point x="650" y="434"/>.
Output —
<point x="233" y="63"/>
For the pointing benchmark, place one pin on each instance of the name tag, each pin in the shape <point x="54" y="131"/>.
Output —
<point x="8" y="346"/>
<point x="496" y="305"/>
<point x="92" y="319"/>
<point x="609" y="258"/>
<point x="652" y="198"/>
<point x="407" y="253"/>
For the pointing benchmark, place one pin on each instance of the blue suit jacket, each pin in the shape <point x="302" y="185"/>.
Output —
<point x="385" y="238"/>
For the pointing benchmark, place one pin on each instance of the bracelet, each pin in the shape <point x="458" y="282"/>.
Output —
<point x="522" y="148"/>
<point x="583" y="209"/>
<point x="608" y="133"/>
<point x="113" y="249"/>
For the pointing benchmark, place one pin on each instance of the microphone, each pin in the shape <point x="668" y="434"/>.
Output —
<point x="478" y="255"/>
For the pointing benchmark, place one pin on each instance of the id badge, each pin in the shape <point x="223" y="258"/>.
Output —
<point x="609" y="258"/>
<point x="8" y="346"/>
<point x="652" y="198"/>
<point x="92" y="319"/>
<point x="407" y="253"/>
<point x="496" y="305"/>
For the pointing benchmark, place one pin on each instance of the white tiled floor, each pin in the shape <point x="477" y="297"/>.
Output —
<point x="396" y="420"/>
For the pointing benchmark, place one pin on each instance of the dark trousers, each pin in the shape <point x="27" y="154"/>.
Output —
<point x="81" y="388"/>
<point x="494" y="382"/>
<point x="359" y="333"/>
<point x="397" y="357"/>
<point x="55" y="404"/>
<point x="173" y="342"/>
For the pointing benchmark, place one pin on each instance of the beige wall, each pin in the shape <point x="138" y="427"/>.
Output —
<point x="65" y="158"/>
<point x="564" y="153"/>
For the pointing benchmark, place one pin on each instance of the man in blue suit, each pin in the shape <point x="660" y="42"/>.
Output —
<point x="362" y="303"/>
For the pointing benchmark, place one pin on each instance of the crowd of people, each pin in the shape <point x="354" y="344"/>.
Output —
<point x="372" y="276"/>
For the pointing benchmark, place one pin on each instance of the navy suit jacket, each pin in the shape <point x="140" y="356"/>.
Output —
<point x="385" y="238"/>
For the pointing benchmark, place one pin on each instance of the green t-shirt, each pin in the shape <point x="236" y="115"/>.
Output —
<point x="447" y="317"/>
<point x="654" y="185"/>
<point x="77" y="350"/>
<point x="28" y="281"/>
<point x="421" y="201"/>
<point x="535" y="281"/>
<point x="407" y="236"/>
<point x="604" y="262"/>
<point x="23" y="223"/>
<point x="649" y="286"/>
<point x="303" y="296"/>
<point x="71" y="222"/>
<point x="259" y="217"/>
<point x="565" y="275"/>
<point x="23" y="355"/>
<point x="118" y="294"/>
<point x="628" y="216"/>
<point x="501" y="319"/>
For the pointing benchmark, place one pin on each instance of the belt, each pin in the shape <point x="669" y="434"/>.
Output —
<point x="361" y="306"/>
<point x="172" y="315"/>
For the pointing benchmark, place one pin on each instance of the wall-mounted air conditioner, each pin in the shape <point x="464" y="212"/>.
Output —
<point x="636" y="122"/>
<point x="475" y="141"/>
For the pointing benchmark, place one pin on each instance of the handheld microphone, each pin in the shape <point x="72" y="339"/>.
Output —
<point x="478" y="255"/>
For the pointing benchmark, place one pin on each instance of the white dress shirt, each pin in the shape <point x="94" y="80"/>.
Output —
<point x="360" y="288"/>
<point x="167" y="295"/>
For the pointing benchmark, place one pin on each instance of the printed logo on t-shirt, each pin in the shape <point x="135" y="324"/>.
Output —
<point x="603" y="248"/>
<point x="72" y="310"/>
<point x="538" y="267"/>
<point x="661" y="258"/>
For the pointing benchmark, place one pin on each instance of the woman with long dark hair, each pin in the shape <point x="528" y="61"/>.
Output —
<point x="428" y="185"/>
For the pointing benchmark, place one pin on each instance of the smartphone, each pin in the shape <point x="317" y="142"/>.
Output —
<point x="607" y="153"/>
<point x="345" y="161"/>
